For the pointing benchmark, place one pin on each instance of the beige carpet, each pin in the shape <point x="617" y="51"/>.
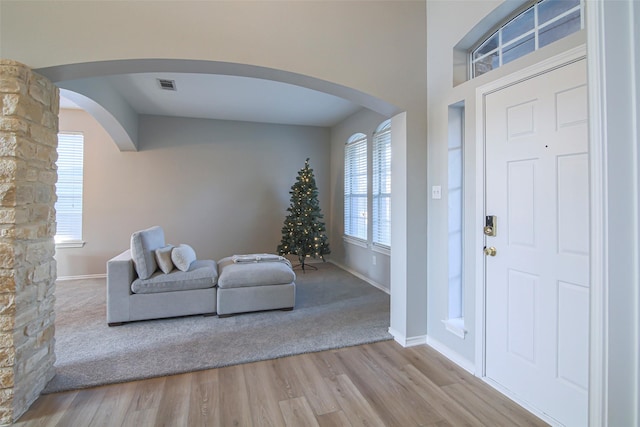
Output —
<point x="333" y="309"/>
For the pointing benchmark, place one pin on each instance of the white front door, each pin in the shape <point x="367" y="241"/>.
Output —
<point x="537" y="284"/>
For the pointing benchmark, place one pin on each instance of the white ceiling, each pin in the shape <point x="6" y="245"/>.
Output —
<point x="229" y="98"/>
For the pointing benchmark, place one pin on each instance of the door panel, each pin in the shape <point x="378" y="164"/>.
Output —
<point x="537" y="284"/>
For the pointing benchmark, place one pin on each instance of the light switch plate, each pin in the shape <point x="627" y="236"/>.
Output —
<point x="436" y="192"/>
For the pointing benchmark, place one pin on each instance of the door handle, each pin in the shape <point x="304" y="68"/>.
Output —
<point x="490" y="251"/>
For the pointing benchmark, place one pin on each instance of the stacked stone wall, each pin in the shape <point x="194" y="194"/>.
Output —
<point x="28" y="141"/>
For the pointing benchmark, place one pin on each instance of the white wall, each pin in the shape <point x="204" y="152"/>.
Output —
<point x="220" y="186"/>
<point x="349" y="255"/>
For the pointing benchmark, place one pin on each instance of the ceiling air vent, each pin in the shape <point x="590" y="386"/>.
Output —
<point x="167" y="84"/>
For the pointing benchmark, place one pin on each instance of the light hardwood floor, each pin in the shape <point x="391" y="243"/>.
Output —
<point x="379" y="384"/>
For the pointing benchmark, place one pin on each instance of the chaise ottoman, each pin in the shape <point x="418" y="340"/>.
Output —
<point x="255" y="282"/>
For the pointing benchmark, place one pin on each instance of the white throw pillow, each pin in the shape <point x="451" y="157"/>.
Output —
<point x="163" y="258"/>
<point x="182" y="256"/>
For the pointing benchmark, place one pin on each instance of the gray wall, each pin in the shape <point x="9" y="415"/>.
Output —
<point x="355" y="258"/>
<point x="220" y="186"/>
<point x="447" y="26"/>
<point x="365" y="48"/>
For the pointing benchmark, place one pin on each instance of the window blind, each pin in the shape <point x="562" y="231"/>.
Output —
<point x="382" y="186"/>
<point x="355" y="187"/>
<point x="69" y="187"/>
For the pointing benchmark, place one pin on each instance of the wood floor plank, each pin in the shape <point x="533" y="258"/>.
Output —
<point x="333" y="419"/>
<point x="328" y="363"/>
<point x="83" y="407"/>
<point x="475" y="404"/>
<point x="376" y="381"/>
<point x="278" y="379"/>
<point x="435" y="366"/>
<point x="46" y="412"/>
<point x="147" y="394"/>
<point x="204" y="400"/>
<point x="263" y="396"/>
<point x="380" y="384"/>
<point x="422" y="409"/>
<point x="145" y="402"/>
<point x="173" y="410"/>
<point x="116" y="397"/>
<point x="313" y="387"/>
<point x="297" y="413"/>
<point x="393" y="353"/>
<point x="234" y="398"/>
<point x="449" y="409"/>
<point x="286" y="380"/>
<point x="142" y="417"/>
<point x="492" y="398"/>
<point x="442" y="423"/>
<point x="357" y="409"/>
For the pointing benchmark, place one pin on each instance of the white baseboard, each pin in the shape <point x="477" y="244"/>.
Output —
<point x="83" y="277"/>
<point x="407" y="341"/>
<point x="360" y="276"/>
<point x="455" y="357"/>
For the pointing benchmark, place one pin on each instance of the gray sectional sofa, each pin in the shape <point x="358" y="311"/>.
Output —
<point x="153" y="280"/>
<point x="254" y="286"/>
<point x="138" y="290"/>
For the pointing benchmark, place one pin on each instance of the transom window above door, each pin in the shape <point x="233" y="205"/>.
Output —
<point x="541" y="24"/>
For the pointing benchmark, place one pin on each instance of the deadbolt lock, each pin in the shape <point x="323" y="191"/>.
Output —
<point x="490" y="225"/>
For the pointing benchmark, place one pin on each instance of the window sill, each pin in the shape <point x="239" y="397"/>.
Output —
<point x="68" y="245"/>
<point x="381" y="249"/>
<point x="355" y="241"/>
<point x="456" y="327"/>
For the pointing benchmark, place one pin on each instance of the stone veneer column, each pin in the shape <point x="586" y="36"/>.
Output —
<point x="28" y="142"/>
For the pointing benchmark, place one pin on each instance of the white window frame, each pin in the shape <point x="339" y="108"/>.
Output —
<point x="454" y="322"/>
<point x="69" y="189"/>
<point x="355" y="168"/>
<point x="381" y="153"/>
<point x="535" y="32"/>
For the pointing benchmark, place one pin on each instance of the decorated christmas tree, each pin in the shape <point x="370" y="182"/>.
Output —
<point x="304" y="232"/>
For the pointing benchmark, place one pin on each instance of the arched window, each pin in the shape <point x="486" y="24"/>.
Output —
<point x="543" y="23"/>
<point x="382" y="185"/>
<point x="355" y="187"/>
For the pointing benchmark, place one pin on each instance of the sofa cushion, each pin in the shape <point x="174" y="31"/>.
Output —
<point x="143" y="245"/>
<point x="238" y="275"/>
<point x="201" y="275"/>
<point x="182" y="256"/>
<point x="163" y="258"/>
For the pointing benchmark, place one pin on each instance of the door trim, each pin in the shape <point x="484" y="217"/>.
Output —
<point x="542" y="67"/>
<point x="598" y="314"/>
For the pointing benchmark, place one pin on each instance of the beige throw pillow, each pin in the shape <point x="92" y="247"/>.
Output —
<point x="163" y="258"/>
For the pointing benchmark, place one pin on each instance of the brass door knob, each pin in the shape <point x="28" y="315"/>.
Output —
<point x="490" y="251"/>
